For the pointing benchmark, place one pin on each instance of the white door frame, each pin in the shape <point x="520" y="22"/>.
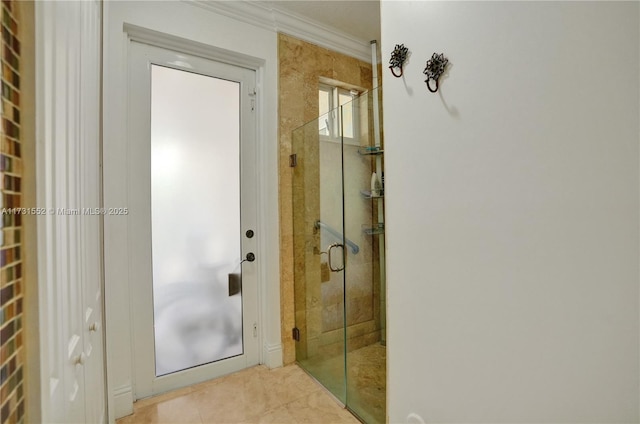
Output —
<point x="119" y="275"/>
<point x="141" y="57"/>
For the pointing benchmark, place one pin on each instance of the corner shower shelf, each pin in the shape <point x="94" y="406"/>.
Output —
<point x="370" y="150"/>
<point x="368" y="195"/>
<point x="370" y="231"/>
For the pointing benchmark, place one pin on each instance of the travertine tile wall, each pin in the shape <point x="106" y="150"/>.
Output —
<point x="301" y="66"/>
<point x="12" y="407"/>
<point x="327" y="185"/>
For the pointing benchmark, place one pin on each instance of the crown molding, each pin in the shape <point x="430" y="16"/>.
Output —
<point x="253" y="13"/>
<point x="266" y="16"/>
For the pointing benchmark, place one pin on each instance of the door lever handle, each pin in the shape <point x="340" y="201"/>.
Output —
<point x="235" y="280"/>
<point x="249" y="258"/>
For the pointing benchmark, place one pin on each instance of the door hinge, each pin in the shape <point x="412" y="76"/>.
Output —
<point x="255" y="330"/>
<point x="293" y="160"/>
<point x="253" y="93"/>
<point x="296" y="334"/>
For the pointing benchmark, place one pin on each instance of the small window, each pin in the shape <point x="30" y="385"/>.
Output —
<point x="325" y="96"/>
<point x="330" y="99"/>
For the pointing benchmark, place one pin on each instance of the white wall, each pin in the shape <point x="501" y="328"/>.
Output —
<point x="223" y="33"/>
<point x="512" y="212"/>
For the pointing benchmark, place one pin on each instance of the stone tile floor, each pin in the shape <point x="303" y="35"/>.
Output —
<point x="255" y="395"/>
<point x="366" y="380"/>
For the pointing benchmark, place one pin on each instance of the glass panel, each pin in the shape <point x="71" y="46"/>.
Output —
<point x="195" y="203"/>
<point x="345" y="99"/>
<point x="319" y="292"/>
<point x="324" y="104"/>
<point x="340" y="313"/>
<point x="364" y="274"/>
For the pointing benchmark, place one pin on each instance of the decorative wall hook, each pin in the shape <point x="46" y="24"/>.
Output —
<point x="434" y="69"/>
<point x="398" y="56"/>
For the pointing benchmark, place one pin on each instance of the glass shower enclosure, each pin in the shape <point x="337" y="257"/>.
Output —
<point x="338" y="220"/>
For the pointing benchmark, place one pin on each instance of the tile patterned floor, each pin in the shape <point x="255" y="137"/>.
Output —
<point x="255" y="395"/>
<point x="366" y="376"/>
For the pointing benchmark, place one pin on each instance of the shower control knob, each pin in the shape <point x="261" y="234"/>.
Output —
<point x="250" y="257"/>
<point x="249" y="233"/>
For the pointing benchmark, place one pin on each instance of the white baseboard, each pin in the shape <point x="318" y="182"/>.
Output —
<point x="123" y="401"/>
<point x="273" y="355"/>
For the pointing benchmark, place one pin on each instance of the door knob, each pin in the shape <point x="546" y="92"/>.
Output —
<point x="79" y="360"/>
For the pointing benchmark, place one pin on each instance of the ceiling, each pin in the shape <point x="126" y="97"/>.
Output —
<point x="358" y="18"/>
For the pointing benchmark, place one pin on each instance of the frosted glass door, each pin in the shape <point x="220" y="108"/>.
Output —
<point x="195" y="218"/>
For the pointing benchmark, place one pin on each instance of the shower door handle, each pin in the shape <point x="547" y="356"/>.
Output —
<point x="329" y="250"/>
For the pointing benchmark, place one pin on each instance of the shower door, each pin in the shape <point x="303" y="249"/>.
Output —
<point x="319" y="266"/>
<point x="338" y="236"/>
<point x="192" y="133"/>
